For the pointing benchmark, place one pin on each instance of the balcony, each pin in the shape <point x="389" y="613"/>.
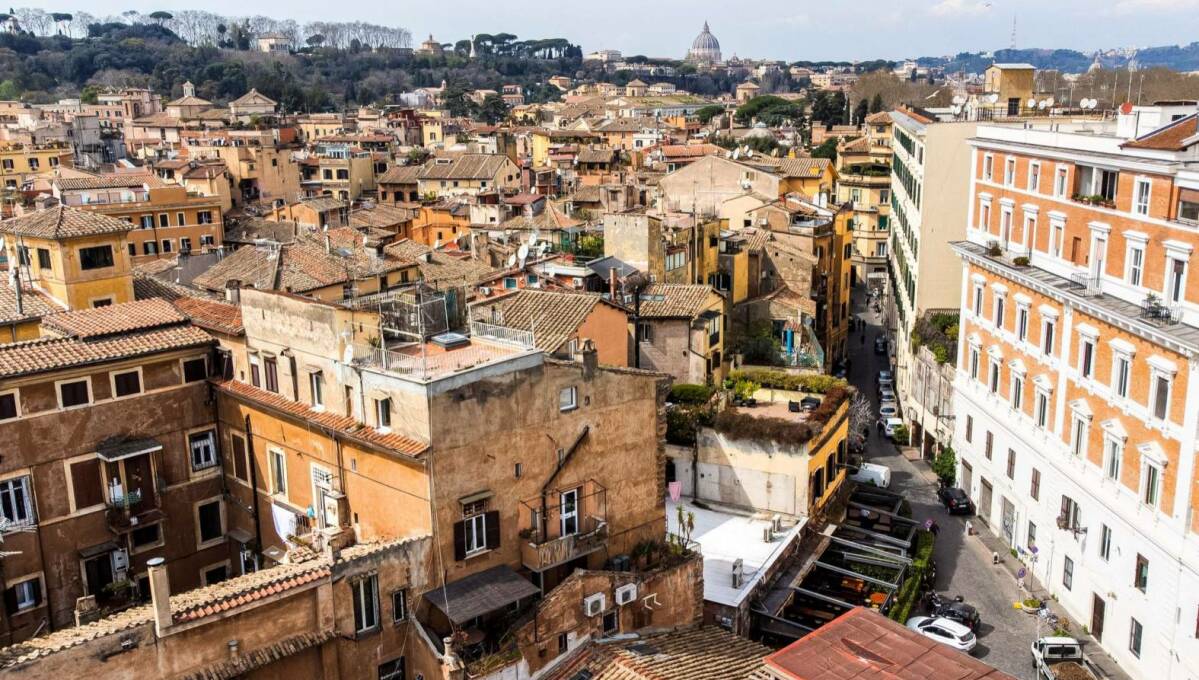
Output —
<point x="1158" y="312"/>
<point x="1085" y="284"/>
<point x="563" y="525"/>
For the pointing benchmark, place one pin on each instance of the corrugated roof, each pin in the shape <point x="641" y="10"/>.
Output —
<point x="62" y="222"/>
<point x="108" y="181"/>
<point x="401" y="174"/>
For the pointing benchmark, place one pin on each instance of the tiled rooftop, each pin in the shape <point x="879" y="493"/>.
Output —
<point x="699" y="653"/>
<point x="50" y="354"/>
<point x="63" y="222"/>
<point x="674" y="300"/>
<point x="220" y="317"/>
<point x="34" y="304"/>
<point x="116" y="319"/>
<point x="552" y="317"/>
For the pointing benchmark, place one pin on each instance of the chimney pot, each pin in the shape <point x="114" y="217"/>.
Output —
<point x="160" y="594"/>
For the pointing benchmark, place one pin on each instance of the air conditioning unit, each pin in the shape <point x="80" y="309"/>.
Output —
<point x="120" y="560"/>
<point x="594" y="605"/>
<point x="626" y="594"/>
<point x="738" y="572"/>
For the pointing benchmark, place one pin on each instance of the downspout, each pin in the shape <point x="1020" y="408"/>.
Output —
<point x="254" y="488"/>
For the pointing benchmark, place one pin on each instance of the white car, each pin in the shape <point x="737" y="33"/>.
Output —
<point x="888" y="411"/>
<point x="944" y="631"/>
<point x="872" y="474"/>
<point x="886" y="394"/>
<point x="890" y="425"/>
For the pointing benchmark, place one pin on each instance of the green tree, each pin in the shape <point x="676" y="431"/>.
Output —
<point x="90" y="94"/>
<point x="455" y="100"/>
<point x="827" y="149"/>
<point x="494" y="109"/>
<point x="9" y="91"/>
<point x="876" y="103"/>
<point x="707" y="113"/>
<point x="161" y="17"/>
<point x="945" y="466"/>
<point x="861" y="111"/>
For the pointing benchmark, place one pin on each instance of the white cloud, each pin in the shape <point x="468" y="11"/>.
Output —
<point x="950" y="8"/>
<point x="1127" y="7"/>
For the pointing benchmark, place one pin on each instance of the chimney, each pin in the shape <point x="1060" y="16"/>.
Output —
<point x="233" y="291"/>
<point x="590" y="359"/>
<point x="613" y="284"/>
<point x="233" y="648"/>
<point x="451" y="666"/>
<point x="160" y="594"/>
<point x="328" y="244"/>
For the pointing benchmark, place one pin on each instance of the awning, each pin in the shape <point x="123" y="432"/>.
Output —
<point x="480" y="593"/>
<point x="111" y="452"/>
<point x="94" y="550"/>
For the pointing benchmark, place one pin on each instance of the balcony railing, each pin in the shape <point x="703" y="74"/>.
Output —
<point x="505" y="334"/>
<point x="1085" y="284"/>
<point x="563" y="529"/>
<point x="1156" y="311"/>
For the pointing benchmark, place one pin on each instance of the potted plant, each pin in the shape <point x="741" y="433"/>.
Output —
<point x="993" y="249"/>
<point x="1021" y="261"/>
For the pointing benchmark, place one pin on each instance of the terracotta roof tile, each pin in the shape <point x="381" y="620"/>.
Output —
<point x="803" y="167"/>
<point x="553" y="317"/>
<point x="108" y="181"/>
<point x="63" y="222"/>
<point x="51" y="354"/>
<point x="127" y="317"/>
<point x="347" y="426"/>
<point x="400" y="174"/>
<point x="220" y="317"/>
<point x="674" y="300"/>
<point x="1177" y="136"/>
<point x="34" y="304"/>
<point x="699" y="653"/>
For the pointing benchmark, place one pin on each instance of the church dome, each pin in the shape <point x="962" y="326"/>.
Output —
<point x="705" y="47"/>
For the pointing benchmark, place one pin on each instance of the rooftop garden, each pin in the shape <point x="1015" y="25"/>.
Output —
<point x="938" y="332"/>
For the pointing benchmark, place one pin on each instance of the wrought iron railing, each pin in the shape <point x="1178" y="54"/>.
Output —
<point x="505" y="334"/>
<point x="1156" y="311"/>
<point x="1085" y="284"/>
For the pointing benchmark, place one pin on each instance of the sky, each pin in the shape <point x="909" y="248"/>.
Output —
<point x="776" y="29"/>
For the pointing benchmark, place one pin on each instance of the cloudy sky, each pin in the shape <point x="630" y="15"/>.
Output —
<point x="781" y="29"/>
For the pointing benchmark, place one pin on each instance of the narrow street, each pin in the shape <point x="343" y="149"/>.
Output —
<point x="964" y="565"/>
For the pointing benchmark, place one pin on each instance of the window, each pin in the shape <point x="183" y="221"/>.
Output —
<point x="990" y="445"/>
<point x="568" y="398"/>
<point x="146" y="535"/>
<point x="1011" y="463"/>
<point x="1041" y="412"/>
<point x="999" y="311"/>
<point x="43" y="258"/>
<point x="210" y="521"/>
<point x="1047" y="331"/>
<point x="563" y="643"/>
<point x="102" y="302"/>
<point x="1068" y="573"/>
<point x="1032" y="536"/>
<point x="1034" y="177"/>
<point x="978" y="300"/>
<point x="675" y="260"/>
<point x="366" y="604"/>
<point x="1161" y="396"/>
<point x="1034" y="485"/>
<point x="1135" y="632"/>
<point x="1060" y="181"/>
<point x="75" y="393"/>
<point x="1086" y="358"/>
<point x="150" y="248"/>
<point x="1105" y="542"/>
<point x="1113" y="455"/>
<point x="974" y="363"/>
<point x="240" y="468"/>
<point x="213" y="575"/>
<point x="988" y="167"/>
<point x="204" y="217"/>
<point x="984" y="216"/>
<point x="23" y="256"/>
<point x="1022" y="323"/>
<point x="147" y="221"/>
<point x="1009" y="172"/>
<point x="185" y="245"/>
<point x="164" y="220"/>
<point x="87" y="488"/>
<point x="271" y="371"/>
<point x="195" y="369"/>
<point x="180" y="220"/>
<point x="383" y="414"/>
<point x="167" y="245"/>
<point x="399" y="605"/>
<point x="127" y="383"/>
<point x="24" y="595"/>
<point x="1140" y="576"/>
<point x="1071" y="515"/>
<point x="278" y="473"/>
<point x="316" y="389"/>
<point x="393" y="670"/>
<point x="34" y="163"/>
<point x="1136" y="264"/>
<point x="1079" y="435"/>
<point x="1175" y="279"/>
<point x="1188" y="211"/>
<point x="1151" y="485"/>
<point x="16" y="506"/>
<point x="203" y="449"/>
<point x="95" y="257"/>
<point x="1140" y="201"/>
<point x="8" y="406"/>
<point x="1120" y="370"/>
<point x="611" y="622"/>
<point x="969" y="428"/>
<point x="255" y="371"/>
<point x="994" y="378"/>
<point x="1017" y="391"/>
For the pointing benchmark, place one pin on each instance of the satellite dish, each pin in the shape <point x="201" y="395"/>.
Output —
<point x="534" y="236"/>
<point x="736" y="154"/>
<point x="1049" y="102"/>
<point x="522" y="253"/>
<point x="1042" y="104"/>
<point x="957" y="109"/>
<point x="959" y="99"/>
<point x="992" y="98"/>
<point x="1032" y="101"/>
<point x="511" y="261"/>
<point x="542" y="248"/>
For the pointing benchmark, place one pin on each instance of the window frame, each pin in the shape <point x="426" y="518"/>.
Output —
<point x="1141" y="205"/>
<point x="201" y="543"/>
<point x="26" y="504"/>
<point x="1068" y="573"/>
<point x="570" y="404"/>
<point x="1136" y="634"/>
<point x="383" y="414"/>
<point x="1034" y="176"/>
<point x="399" y="614"/>
<point x="58" y="385"/>
<point x="278" y="472"/>
<point x="1134" y="263"/>
<point x="193" y="438"/>
<point x="1034" y="484"/>
<point x="366" y="612"/>
<point x="1113" y="457"/>
<point x="112" y="382"/>
<point x="79" y="254"/>
<point x="475" y="537"/>
<point x="1140" y="573"/>
<point x="1105" y="542"/>
<point x="15" y="393"/>
<point x="183" y="364"/>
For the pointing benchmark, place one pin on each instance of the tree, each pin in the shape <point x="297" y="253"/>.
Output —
<point x="945" y="466"/>
<point x="61" y="18"/>
<point x="876" y="103"/>
<point x="161" y="17"/>
<point x="455" y="100"/>
<point x="494" y="109"/>
<point x="861" y="418"/>
<point x="315" y="40"/>
<point x="707" y="113"/>
<point x="861" y="111"/>
<point x="827" y="149"/>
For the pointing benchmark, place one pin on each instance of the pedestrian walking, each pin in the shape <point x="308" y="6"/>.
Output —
<point x="881" y="426"/>
<point x="934" y="528"/>
<point x="969" y="528"/>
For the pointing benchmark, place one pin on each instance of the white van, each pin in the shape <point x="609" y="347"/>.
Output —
<point x="873" y="474"/>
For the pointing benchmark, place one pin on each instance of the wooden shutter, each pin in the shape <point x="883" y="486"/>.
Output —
<point x="86" y="483"/>
<point x="239" y="458"/>
<point x="10" y="600"/>
<point x="459" y="541"/>
<point x="492" y="521"/>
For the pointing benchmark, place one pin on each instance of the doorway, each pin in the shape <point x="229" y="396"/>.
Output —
<point x="984" y="501"/>
<point x="570" y="512"/>
<point x="1098" y="609"/>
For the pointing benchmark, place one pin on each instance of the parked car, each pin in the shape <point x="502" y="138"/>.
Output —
<point x="1059" y="657"/>
<point x="955" y="500"/>
<point x="944" y="631"/>
<point x="963" y="613"/>
<point x="872" y="474"/>
<point x="890" y="425"/>
<point x="886" y="394"/>
<point x="888" y="410"/>
<point x="885" y="379"/>
<point x="880" y="345"/>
